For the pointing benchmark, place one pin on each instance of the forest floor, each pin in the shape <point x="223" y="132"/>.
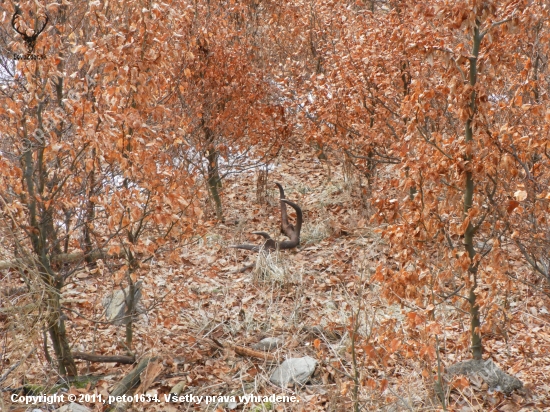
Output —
<point x="307" y="297"/>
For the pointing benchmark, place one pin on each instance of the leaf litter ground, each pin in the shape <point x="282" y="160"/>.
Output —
<point x="307" y="297"/>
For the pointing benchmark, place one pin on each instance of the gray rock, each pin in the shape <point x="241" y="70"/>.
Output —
<point x="268" y="344"/>
<point x="73" y="407"/>
<point x="115" y="304"/>
<point x="295" y="371"/>
<point x="232" y="405"/>
<point x="493" y="376"/>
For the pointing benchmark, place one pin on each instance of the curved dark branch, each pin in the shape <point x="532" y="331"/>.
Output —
<point x="287" y="229"/>
<point x="265" y="235"/>
<point x="291" y="231"/>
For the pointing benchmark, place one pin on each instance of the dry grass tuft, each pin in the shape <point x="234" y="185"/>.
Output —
<point x="270" y="267"/>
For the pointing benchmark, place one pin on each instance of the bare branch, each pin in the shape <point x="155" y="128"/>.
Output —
<point x="288" y="229"/>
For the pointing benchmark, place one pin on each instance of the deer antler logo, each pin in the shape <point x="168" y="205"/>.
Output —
<point x="29" y="35"/>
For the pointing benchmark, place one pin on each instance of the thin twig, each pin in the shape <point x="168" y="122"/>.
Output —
<point x="15" y="365"/>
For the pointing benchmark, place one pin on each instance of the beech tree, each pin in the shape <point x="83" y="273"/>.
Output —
<point x="229" y="104"/>
<point x="96" y="174"/>
<point x="455" y="158"/>
<point x="452" y="97"/>
<point x="460" y="131"/>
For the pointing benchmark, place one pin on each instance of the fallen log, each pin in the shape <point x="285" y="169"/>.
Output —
<point x="127" y="383"/>
<point x="104" y="358"/>
<point x="241" y="350"/>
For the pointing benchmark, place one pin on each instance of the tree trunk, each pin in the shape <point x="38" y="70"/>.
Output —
<point x="58" y="335"/>
<point x="130" y="312"/>
<point x="214" y="182"/>
<point x="90" y="214"/>
<point x="44" y="241"/>
<point x="476" y="343"/>
<point x="213" y="178"/>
